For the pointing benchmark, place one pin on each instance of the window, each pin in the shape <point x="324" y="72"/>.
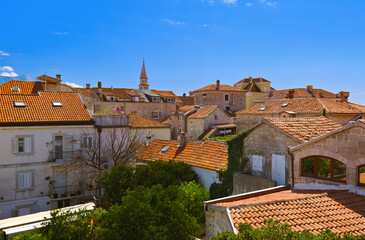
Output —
<point x="285" y="105"/>
<point x="155" y="115"/>
<point x="164" y="150"/>
<point x="226" y="97"/>
<point x="156" y="99"/>
<point x="57" y="104"/>
<point x="204" y="94"/>
<point x="87" y="142"/>
<point x="22" y="144"/>
<point x="257" y="162"/>
<point x="324" y="168"/>
<point x="228" y="108"/>
<point x="15" y="90"/>
<point x="361" y="175"/>
<point x="19" y="104"/>
<point x="171" y="100"/>
<point x="24" y="180"/>
<point x="263" y="108"/>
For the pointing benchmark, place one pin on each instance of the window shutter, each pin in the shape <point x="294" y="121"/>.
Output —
<point x="68" y="147"/>
<point x="15" y="145"/>
<point x="24" y="180"/>
<point x="28" y="144"/>
<point x="21" y="180"/>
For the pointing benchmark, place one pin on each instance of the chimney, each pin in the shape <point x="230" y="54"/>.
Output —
<point x="177" y="108"/>
<point x="184" y="94"/>
<point x="291" y="93"/>
<point x="87" y="85"/>
<point x="218" y="84"/>
<point x="58" y="76"/>
<point x="182" y="139"/>
<point x="99" y="84"/>
<point x="250" y="78"/>
<point x="310" y="88"/>
<point x="344" y="96"/>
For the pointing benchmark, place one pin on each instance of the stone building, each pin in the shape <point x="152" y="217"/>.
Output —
<point x="204" y="157"/>
<point x="256" y="88"/>
<point x="196" y="121"/>
<point x="267" y="144"/>
<point x="339" y="111"/>
<point x="226" y="97"/>
<point x="335" y="160"/>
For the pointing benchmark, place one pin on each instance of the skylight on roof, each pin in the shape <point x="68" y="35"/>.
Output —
<point x="57" y="104"/>
<point x="15" y="90"/>
<point x="285" y="105"/>
<point x="19" y="104"/>
<point x="263" y="108"/>
<point x="164" y="150"/>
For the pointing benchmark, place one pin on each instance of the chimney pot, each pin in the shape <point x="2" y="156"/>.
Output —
<point x="87" y="85"/>
<point x="182" y="139"/>
<point x="310" y="88"/>
<point x="99" y="84"/>
<point x="184" y="94"/>
<point x="344" y="96"/>
<point x="58" y="76"/>
<point x="291" y="93"/>
<point x="218" y="84"/>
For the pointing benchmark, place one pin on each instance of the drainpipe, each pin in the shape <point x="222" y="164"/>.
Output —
<point x="292" y="168"/>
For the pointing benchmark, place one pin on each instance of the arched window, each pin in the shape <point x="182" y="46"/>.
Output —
<point x="324" y="168"/>
<point x="361" y="175"/>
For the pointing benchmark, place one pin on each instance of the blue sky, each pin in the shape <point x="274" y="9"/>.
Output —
<point x="188" y="44"/>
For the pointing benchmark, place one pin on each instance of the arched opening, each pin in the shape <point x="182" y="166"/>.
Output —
<point x="324" y="168"/>
<point x="361" y="175"/>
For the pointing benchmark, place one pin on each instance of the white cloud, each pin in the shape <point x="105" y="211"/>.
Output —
<point x="173" y="22"/>
<point x="211" y="2"/>
<point x="249" y="4"/>
<point x="271" y="4"/>
<point x="2" y="53"/>
<point x="60" y="33"/>
<point x="8" y="74"/>
<point x="229" y="2"/>
<point x="209" y="25"/>
<point x="7" y="69"/>
<point x="73" y="85"/>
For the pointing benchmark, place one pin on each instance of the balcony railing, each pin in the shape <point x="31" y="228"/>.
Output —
<point x="59" y="157"/>
<point x="69" y="191"/>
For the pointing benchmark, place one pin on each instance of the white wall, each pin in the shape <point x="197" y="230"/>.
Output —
<point x="206" y="176"/>
<point x="36" y="162"/>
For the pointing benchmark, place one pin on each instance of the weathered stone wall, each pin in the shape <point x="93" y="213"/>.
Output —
<point x="265" y="141"/>
<point x="195" y="127"/>
<point x="243" y="183"/>
<point x="347" y="147"/>
<point x="141" y="108"/>
<point x="217" y="221"/>
<point x="236" y="102"/>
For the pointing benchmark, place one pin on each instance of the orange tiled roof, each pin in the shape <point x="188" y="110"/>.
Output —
<point x="304" y="106"/>
<point x="137" y="121"/>
<point x="213" y="87"/>
<point x="39" y="109"/>
<point x="304" y="210"/>
<point x="208" y="154"/>
<point x="118" y="92"/>
<point x="186" y="108"/>
<point x="26" y="87"/>
<point x="203" y="111"/>
<point x="305" y="129"/>
<point x="252" y="80"/>
<point x="167" y="94"/>
<point x="300" y="93"/>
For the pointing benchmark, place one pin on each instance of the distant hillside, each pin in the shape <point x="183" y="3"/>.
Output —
<point x="23" y="77"/>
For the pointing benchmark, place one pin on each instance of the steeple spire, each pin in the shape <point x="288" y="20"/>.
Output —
<point x="143" y="78"/>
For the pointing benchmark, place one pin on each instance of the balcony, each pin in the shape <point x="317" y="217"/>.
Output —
<point x="62" y="157"/>
<point x="69" y="192"/>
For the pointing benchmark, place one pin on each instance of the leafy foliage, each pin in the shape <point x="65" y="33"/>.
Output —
<point x="224" y="138"/>
<point x="236" y="163"/>
<point x="122" y="178"/>
<point x="274" y="230"/>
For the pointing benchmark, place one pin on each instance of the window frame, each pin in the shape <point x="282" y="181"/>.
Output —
<point x="31" y="187"/>
<point x="331" y="178"/>
<point x="226" y="97"/>
<point x="358" y="175"/>
<point x="89" y="144"/>
<point x="158" y="115"/>
<point x="31" y="146"/>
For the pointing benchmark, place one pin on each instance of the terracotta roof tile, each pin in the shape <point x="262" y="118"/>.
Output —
<point x="300" y="93"/>
<point x="252" y="80"/>
<point x="26" y="87"/>
<point x="305" y="129"/>
<point x="39" y="109"/>
<point x="213" y="87"/>
<point x="303" y="210"/>
<point x="203" y="111"/>
<point x="304" y="106"/>
<point x="208" y="154"/>
<point x="137" y="121"/>
<point x="167" y="94"/>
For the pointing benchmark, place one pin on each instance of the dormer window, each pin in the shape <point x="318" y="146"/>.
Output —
<point x="263" y="108"/>
<point x="285" y="105"/>
<point x="170" y="100"/>
<point x="15" y="90"/>
<point x="19" y="104"/>
<point x="57" y="104"/>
